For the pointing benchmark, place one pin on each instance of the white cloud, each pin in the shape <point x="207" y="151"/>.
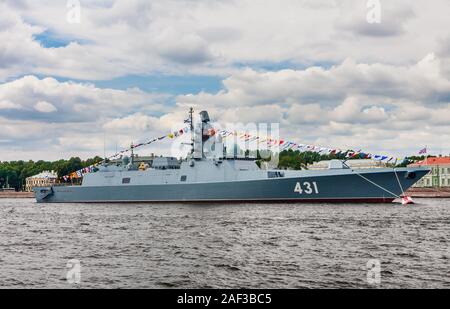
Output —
<point x="353" y="110"/>
<point x="307" y="114"/>
<point x="393" y="22"/>
<point x="135" y="37"/>
<point x="42" y="116"/>
<point x="45" y="107"/>
<point x="75" y="102"/>
<point x="6" y="104"/>
<point x="349" y="105"/>
<point x="421" y="81"/>
<point x="184" y="48"/>
<point x="382" y="87"/>
<point x="247" y="114"/>
<point x="138" y="122"/>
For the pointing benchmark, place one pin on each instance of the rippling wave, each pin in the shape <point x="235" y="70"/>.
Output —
<point x="224" y="246"/>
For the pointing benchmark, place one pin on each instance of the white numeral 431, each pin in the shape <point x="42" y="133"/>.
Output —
<point x="306" y="188"/>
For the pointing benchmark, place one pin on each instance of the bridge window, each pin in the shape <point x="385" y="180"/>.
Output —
<point x="275" y="174"/>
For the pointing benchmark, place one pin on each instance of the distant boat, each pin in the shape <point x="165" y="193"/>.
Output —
<point x="223" y="179"/>
<point x="6" y="187"/>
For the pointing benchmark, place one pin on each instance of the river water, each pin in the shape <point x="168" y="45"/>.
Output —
<point x="224" y="246"/>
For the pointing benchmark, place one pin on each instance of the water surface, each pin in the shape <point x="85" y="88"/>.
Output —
<point x="224" y="246"/>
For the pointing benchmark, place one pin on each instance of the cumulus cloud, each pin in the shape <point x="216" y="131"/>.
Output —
<point x="5" y="104"/>
<point x="184" y="48"/>
<point x="393" y="18"/>
<point x="344" y="82"/>
<point x="138" y="122"/>
<point x="116" y="38"/>
<point x="43" y="115"/>
<point x="75" y="102"/>
<point x="45" y="107"/>
<point x="354" y="110"/>
<point x="348" y="105"/>
<point x="422" y="80"/>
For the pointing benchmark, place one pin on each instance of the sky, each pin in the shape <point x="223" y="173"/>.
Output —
<point x="84" y="78"/>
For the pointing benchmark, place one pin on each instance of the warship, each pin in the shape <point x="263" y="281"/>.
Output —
<point x="213" y="176"/>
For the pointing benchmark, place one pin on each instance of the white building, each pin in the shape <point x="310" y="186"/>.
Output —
<point x="43" y="179"/>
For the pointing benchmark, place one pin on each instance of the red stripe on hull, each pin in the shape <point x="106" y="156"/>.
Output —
<point x="347" y="201"/>
<point x="307" y="201"/>
<point x="287" y="201"/>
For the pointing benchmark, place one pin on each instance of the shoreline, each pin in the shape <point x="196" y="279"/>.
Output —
<point x="429" y="192"/>
<point x="4" y="195"/>
<point x="413" y="192"/>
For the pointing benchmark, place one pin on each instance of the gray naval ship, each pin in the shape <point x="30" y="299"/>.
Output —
<point x="216" y="177"/>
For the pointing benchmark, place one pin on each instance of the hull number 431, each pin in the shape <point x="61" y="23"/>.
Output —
<point x="306" y="188"/>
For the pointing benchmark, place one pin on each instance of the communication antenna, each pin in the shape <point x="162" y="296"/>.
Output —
<point x="190" y="121"/>
<point x="104" y="146"/>
<point x="132" y="152"/>
<point x="191" y="124"/>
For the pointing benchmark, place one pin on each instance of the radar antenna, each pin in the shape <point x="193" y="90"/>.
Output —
<point x="191" y="127"/>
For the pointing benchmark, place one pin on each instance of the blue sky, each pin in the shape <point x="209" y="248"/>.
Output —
<point x="172" y="84"/>
<point x="49" y="39"/>
<point x="157" y="82"/>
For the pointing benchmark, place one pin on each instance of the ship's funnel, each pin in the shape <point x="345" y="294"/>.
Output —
<point x="204" y="117"/>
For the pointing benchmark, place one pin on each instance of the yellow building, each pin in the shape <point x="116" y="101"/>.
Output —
<point x="439" y="177"/>
<point x="43" y="179"/>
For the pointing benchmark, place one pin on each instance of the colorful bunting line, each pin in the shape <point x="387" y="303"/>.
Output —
<point x="248" y="138"/>
<point x="80" y="173"/>
<point x="289" y="145"/>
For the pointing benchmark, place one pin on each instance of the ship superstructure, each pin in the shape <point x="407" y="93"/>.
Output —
<point x="209" y="175"/>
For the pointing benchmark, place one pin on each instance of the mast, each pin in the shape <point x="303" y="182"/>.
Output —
<point x="191" y="124"/>
<point x="132" y="152"/>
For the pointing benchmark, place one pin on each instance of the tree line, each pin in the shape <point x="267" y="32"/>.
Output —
<point x="15" y="172"/>
<point x="296" y="160"/>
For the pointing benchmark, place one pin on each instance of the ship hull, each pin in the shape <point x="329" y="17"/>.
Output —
<point x="354" y="187"/>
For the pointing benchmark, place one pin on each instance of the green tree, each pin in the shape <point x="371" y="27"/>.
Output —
<point x="15" y="172"/>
